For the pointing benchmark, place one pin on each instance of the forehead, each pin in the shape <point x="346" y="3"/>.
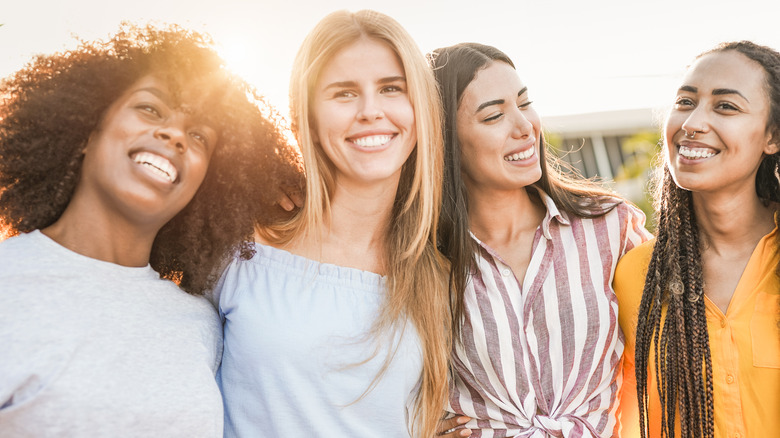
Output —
<point x="496" y="81"/>
<point x="365" y="56"/>
<point x="203" y="99"/>
<point x="729" y="69"/>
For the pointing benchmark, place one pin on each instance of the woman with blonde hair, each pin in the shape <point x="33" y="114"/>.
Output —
<point x="339" y="324"/>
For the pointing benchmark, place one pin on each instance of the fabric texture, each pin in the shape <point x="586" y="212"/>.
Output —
<point x="540" y="356"/>
<point x="744" y="345"/>
<point x="295" y="339"/>
<point x="94" y="349"/>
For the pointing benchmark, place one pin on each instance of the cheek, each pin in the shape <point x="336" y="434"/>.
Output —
<point x="324" y="118"/>
<point x="470" y="163"/>
<point x="673" y="125"/>
<point x="401" y="113"/>
<point x="535" y="121"/>
<point x="671" y="128"/>
<point x="199" y="166"/>
<point x="466" y="166"/>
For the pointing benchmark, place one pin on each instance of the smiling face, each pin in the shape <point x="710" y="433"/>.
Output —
<point x="363" y="118"/>
<point x="723" y="105"/>
<point x="146" y="159"/>
<point x="498" y="131"/>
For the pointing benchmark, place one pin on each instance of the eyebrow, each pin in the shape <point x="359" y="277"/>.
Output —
<point x="350" y="84"/>
<point x="391" y="79"/>
<point x="157" y="92"/>
<point x="498" y="101"/>
<point x="715" y="92"/>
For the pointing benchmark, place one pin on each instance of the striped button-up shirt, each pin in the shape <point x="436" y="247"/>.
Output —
<point x="541" y="357"/>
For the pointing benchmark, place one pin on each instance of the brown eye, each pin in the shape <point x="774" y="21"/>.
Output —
<point x="200" y="138"/>
<point x="390" y="89"/>
<point x="344" y="94"/>
<point x="683" y="102"/>
<point x="151" y="109"/>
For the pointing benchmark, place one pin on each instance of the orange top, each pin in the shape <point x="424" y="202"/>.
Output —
<point x="744" y="345"/>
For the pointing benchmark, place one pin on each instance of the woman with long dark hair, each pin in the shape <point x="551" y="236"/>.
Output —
<point x="700" y="305"/>
<point x="536" y="342"/>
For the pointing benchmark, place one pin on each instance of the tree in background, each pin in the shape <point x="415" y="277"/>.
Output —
<point x="639" y="152"/>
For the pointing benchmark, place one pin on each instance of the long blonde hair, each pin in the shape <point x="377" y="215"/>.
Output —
<point x="416" y="272"/>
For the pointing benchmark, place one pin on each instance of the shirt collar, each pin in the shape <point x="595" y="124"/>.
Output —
<point x="552" y="213"/>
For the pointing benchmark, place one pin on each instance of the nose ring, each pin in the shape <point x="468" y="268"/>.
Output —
<point x="690" y="134"/>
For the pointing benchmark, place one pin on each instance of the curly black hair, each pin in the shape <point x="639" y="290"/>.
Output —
<point x="51" y="106"/>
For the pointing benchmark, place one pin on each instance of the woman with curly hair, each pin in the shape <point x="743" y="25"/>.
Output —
<point x="338" y="325"/>
<point x="537" y="346"/>
<point x="122" y="162"/>
<point x="700" y="304"/>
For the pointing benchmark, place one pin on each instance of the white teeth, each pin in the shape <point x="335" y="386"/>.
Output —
<point x="156" y="164"/>
<point x="693" y="154"/>
<point x="521" y="155"/>
<point x="372" y="141"/>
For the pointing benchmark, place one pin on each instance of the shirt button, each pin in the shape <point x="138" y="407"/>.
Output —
<point x="506" y="272"/>
<point x="730" y="379"/>
<point x="737" y="435"/>
<point x="723" y="323"/>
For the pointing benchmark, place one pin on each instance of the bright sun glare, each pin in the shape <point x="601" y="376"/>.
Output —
<point x="235" y="51"/>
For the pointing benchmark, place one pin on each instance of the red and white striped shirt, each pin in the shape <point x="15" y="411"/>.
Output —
<point x="541" y="357"/>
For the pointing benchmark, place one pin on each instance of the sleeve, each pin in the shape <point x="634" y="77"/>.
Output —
<point x="634" y="233"/>
<point x="225" y="290"/>
<point x="628" y="410"/>
<point x="628" y="284"/>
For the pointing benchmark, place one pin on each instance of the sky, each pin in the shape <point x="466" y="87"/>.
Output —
<point x="575" y="56"/>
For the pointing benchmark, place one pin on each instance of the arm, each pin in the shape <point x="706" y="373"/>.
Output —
<point x="635" y="232"/>
<point x="290" y="199"/>
<point x="628" y="285"/>
<point x="628" y="412"/>
<point x="454" y="427"/>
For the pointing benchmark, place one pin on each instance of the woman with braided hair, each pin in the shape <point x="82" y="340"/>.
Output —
<point x="700" y="305"/>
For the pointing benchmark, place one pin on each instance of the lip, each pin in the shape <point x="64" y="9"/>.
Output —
<point x="367" y="140"/>
<point x="524" y="149"/>
<point x="172" y="158"/>
<point x="694" y="144"/>
<point x="689" y="144"/>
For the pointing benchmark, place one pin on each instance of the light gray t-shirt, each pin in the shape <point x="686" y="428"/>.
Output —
<point x="94" y="349"/>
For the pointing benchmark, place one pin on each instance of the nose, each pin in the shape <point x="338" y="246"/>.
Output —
<point x="697" y="120"/>
<point x="522" y="126"/>
<point x="173" y="134"/>
<point x="370" y="109"/>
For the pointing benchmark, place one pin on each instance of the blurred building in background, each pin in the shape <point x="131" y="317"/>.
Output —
<point x="619" y="147"/>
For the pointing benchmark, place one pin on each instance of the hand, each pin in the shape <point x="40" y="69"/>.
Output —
<point x="453" y="427"/>
<point x="291" y="200"/>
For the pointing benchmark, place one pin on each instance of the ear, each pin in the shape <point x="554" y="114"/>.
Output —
<point x="773" y="143"/>
<point x="88" y="142"/>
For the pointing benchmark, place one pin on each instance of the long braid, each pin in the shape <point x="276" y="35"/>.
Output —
<point x="648" y="329"/>
<point x="683" y="360"/>
<point x="698" y="324"/>
<point x="682" y="355"/>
